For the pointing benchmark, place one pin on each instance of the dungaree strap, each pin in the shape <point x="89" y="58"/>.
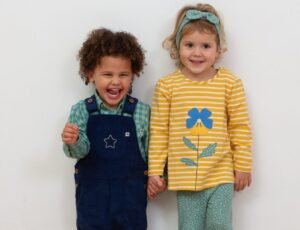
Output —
<point x="129" y="105"/>
<point x="91" y="104"/>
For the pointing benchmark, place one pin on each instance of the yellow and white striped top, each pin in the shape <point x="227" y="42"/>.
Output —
<point x="200" y="129"/>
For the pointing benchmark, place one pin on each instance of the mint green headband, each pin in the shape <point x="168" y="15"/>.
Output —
<point x="194" y="15"/>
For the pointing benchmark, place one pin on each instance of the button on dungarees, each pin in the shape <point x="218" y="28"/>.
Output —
<point x="111" y="180"/>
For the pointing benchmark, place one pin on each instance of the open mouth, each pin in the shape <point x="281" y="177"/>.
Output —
<point x="113" y="93"/>
<point x="196" y="62"/>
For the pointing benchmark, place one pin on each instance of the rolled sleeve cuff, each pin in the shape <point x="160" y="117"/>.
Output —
<point x="77" y="150"/>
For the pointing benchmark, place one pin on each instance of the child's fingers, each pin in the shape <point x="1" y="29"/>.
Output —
<point x="70" y="129"/>
<point x="153" y="188"/>
<point x="242" y="180"/>
<point x="68" y="141"/>
<point x="151" y="193"/>
<point x="237" y="184"/>
<point x="154" y="181"/>
<point x="68" y="138"/>
<point x="241" y="184"/>
<point x="71" y="126"/>
<point x="69" y="134"/>
<point x="151" y="196"/>
<point x="162" y="185"/>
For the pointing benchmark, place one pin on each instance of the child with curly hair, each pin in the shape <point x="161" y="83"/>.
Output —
<point x="199" y="125"/>
<point x="108" y="133"/>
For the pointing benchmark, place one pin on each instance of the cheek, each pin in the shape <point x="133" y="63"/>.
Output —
<point x="183" y="54"/>
<point x="126" y="83"/>
<point x="183" y="58"/>
<point x="180" y="52"/>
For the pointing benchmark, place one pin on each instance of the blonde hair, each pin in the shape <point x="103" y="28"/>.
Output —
<point x="201" y="25"/>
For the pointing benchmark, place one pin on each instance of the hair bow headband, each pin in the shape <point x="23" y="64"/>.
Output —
<point x="194" y="15"/>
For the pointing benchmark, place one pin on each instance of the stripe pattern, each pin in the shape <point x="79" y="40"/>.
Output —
<point x="230" y="136"/>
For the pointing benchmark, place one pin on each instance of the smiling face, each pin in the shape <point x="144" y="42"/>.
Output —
<point x="112" y="79"/>
<point x="198" y="52"/>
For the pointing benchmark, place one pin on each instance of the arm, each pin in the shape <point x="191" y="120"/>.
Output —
<point x="79" y="147"/>
<point x="159" y="135"/>
<point x="142" y="114"/>
<point x="159" y="130"/>
<point x="240" y="135"/>
<point x="146" y="125"/>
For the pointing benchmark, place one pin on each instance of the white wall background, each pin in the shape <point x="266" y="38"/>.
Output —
<point x="39" y="83"/>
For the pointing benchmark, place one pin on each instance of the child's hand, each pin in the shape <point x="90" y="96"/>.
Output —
<point x="241" y="180"/>
<point x="156" y="184"/>
<point x="70" y="134"/>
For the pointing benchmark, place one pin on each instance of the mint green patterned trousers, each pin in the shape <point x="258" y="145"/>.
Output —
<point x="209" y="209"/>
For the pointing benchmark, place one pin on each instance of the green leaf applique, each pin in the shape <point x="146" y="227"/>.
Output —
<point x="208" y="151"/>
<point x="189" y="144"/>
<point x="188" y="161"/>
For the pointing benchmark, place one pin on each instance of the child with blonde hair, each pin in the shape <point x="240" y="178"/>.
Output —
<point x="199" y="125"/>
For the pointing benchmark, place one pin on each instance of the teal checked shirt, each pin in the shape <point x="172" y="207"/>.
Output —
<point x="79" y="116"/>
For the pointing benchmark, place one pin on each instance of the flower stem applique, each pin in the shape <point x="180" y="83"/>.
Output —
<point x="208" y="151"/>
<point x="188" y="161"/>
<point x="198" y="123"/>
<point x="189" y="144"/>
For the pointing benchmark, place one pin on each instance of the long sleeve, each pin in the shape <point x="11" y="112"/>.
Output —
<point x="239" y="128"/>
<point x="145" y="140"/>
<point x="141" y="118"/>
<point x="159" y="129"/>
<point x="78" y="116"/>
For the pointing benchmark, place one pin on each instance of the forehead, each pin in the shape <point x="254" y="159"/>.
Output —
<point x="199" y="36"/>
<point x="113" y="61"/>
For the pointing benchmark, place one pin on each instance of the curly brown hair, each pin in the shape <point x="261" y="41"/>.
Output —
<point x="103" y="42"/>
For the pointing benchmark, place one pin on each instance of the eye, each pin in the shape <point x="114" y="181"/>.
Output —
<point x="189" y="45"/>
<point x="107" y="75"/>
<point x="124" y="75"/>
<point x="206" y="46"/>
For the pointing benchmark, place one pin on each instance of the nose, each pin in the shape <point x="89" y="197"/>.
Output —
<point x="197" y="51"/>
<point x="115" y="80"/>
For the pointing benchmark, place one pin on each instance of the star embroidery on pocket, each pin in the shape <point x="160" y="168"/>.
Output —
<point x="110" y="142"/>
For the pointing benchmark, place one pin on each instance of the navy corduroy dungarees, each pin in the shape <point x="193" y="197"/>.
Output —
<point x="111" y="179"/>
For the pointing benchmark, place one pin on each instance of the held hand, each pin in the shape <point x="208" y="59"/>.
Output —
<point x="164" y="184"/>
<point x="156" y="184"/>
<point x="70" y="134"/>
<point x="241" y="180"/>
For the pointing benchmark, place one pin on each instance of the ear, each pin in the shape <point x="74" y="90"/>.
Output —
<point x="219" y="52"/>
<point x="91" y="77"/>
